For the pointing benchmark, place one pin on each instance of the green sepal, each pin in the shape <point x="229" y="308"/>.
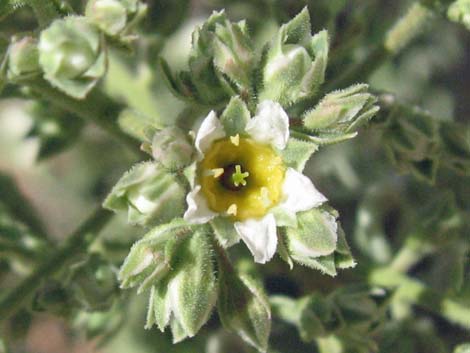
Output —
<point x="144" y="192"/>
<point x="195" y="284"/>
<point x="314" y="236"/>
<point x="235" y="117"/>
<point x="297" y="153"/>
<point x="225" y="232"/>
<point x="342" y="110"/>
<point x="298" y="30"/>
<point x="233" y="53"/>
<point x="243" y="308"/>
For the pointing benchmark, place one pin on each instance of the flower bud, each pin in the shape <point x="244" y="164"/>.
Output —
<point x="343" y="110"/>
<point x="296" y="62"/>
<point x="185" y="299"/>
<point x="172" y="148"/>
<point x="220" y="63"/>
<point x="145" y="192"/>
<point x="459" y="11"/>
<point x="72" y="55"/>
<point x="23" y="57"/>
<point x="149" y="258"/>
<point x="112" y="16"/>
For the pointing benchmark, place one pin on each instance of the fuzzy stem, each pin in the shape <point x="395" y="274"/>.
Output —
<point x="76" y="244"/>
<point x="410" y="254"/>
<point x="97" y="108"/>
<point x="44" y="10"/>
<point x="400" y="35"/>
<point x="415" y="292"/>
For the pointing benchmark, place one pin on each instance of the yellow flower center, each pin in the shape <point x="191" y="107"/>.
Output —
<point x="241" y="178"/>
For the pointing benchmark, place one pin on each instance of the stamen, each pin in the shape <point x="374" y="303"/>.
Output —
<point x="232" y="210"/>
<point x="217" y="172"/>
<point x="235" y="140"/>
<point x="238" y="177"/>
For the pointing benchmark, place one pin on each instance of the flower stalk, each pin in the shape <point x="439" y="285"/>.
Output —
<point x="96" y="108"/>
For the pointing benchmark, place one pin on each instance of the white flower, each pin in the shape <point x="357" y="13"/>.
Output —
<point x="266" y="188"/>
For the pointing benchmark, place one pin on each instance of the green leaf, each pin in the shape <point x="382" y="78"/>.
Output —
<point x="297" y="153"/>
<point x="235" y="117"/>
<point x="244" y="309"/>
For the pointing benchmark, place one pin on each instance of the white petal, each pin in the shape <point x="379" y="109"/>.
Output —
<point x="211" y="129"/>
<point x="269" y="125"/>
<point x="299" y="193"/>
<point x="198" y="211"/>
<point x="260" y="236"/>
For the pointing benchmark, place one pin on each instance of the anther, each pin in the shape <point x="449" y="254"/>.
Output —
<point x="232" y="210"/>
<point x="235" y="140"/>
<point x="217" y="172"/>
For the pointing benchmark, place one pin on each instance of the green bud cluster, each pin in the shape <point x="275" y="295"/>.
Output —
<point x="145" y="192"/>
<point x="295" y="63"/>
<point x="114" y="16"/>
<point x="220" y="63"/>
<point x="72" y="55"/>
<point x="182" y="298"/>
